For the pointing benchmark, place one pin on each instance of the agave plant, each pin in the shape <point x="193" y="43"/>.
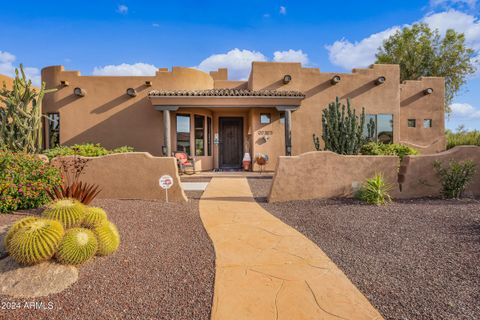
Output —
<point x="77" y="246"/>
<point x="375" y="191"/>
<point x="69" y="212"/>
<point x="108" y="238"/>
<point x="94" y="216"/>
<point x="82" y="191"/>
<point x="14" y="228"/>
<point x="36" y="242"/>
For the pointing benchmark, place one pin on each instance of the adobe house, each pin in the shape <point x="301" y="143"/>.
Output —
<point x="275" y="112"/>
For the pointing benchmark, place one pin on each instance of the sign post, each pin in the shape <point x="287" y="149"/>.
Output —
<point x="166" y="182"/>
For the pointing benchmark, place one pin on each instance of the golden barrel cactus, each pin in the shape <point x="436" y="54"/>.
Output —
<point x="77" y="246"/>
<point x="69" y="212"/>
<point x="94" y="216"/>
<point x="36" y="242"/>
<point x="14" y="228"/>
<point x="108" y="238"/>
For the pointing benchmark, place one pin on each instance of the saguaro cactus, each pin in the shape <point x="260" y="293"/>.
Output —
<point x="342" y="128"/>
<point x="20" y="115"/>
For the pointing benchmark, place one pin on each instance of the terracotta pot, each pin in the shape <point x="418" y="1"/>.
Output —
<point x="261" y="161"/>
<point x="246" y="165"/>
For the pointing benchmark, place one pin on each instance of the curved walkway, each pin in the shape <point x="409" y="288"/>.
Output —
<point x="265" y="269"/>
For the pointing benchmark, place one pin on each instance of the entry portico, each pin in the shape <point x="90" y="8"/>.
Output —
<point x="225" y="106"/>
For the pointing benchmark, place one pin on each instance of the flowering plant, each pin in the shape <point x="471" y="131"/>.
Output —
<point x="24" y="180"/>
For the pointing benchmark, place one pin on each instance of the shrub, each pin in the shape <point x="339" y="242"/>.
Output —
<point x="24" y="180"/>
<point x="69" y="212"/>
<point x="455" y="177"/>
<point x="392" y="149"/>
<point x="462" y="137"/>
<point x="375" y="191"/>
<point x="77" y="246"/>
<point x="36" y="242"/>
<point x="84" y="150"/>
<point x="107" y="237"/>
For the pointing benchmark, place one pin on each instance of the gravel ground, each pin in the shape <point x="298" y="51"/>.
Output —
<point x="412" y="259"/>
<point x="164" y="269"/>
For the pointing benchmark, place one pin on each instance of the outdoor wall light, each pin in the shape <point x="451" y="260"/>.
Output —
<point x="64" y="83"/>
<point x="79" y="92"/>
<point x="148" y="83"/>
<point x="335" y="80"/>
<point x="380" y="80"/>
<point x="131" y="92"/>
<point x="287" y="78"/>
<point x="428" y="91"/>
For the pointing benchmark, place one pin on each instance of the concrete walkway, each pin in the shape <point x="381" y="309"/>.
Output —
<point x="265" y="269"/>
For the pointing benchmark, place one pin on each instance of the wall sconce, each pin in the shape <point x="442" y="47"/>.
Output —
<point x="79" y="92"/>
<point x="64" y="83"/>
<point x="380" y="80"/>
<point x="148" y="83"/>
<point x="132" y="92"/>
<point x="428" y="91"/>
<point x="335" y="80"/>
<point x="287" y="78"/>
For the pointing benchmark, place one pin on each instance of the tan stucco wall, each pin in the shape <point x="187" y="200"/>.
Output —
<point x="414" y="104"/>
<point x="421" y="180"/>
<point x="326" y="174"/>
<point x="107" y="115"/>
<point x="132" y="176"/>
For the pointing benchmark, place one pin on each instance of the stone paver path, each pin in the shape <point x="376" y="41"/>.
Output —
<point x="265" y="269"/>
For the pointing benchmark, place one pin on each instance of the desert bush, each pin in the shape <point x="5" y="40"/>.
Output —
<point x="392" y="149"/>
<point x="84" y="150"/>
<point x="455" y="177"/>
<point x="24" y="180"/>
<point x="462" y="138"/>
<point x="375" y="191"/>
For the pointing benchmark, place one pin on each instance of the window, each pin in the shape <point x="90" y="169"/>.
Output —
<point x="199" y="135"/>
<point x="412" y="123"/>
<point x="265" y="118"/>
<point x="379" y="127"/>
<point x="209" y="136"/>
<point x="183" y="133"/>
<point x="385" y="128"/>
<point x="427" y="123"/>
<point x="53" y="130"/>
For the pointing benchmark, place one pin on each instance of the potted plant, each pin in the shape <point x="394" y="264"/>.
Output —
<point x="247" y="160"/>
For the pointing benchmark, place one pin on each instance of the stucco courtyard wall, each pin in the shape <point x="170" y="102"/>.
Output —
<point x="325" y="174"/>
<point x="131" y="176"/>
<point x="419" y="178"/>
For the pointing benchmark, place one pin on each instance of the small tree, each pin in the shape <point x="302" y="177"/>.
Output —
<point x="422" y="52"/>
<point x="342" y="129"/>
<point x="20" y="115"/>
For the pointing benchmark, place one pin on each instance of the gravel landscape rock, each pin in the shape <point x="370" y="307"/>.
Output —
<point x="415" y="259"/>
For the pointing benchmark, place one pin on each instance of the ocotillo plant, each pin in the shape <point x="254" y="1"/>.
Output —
<point x="20" y="115"/>
<point x="342" y="129"/>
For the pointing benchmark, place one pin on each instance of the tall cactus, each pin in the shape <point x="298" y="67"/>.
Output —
<point x="342" y="128"/>
<point x="21" y="114"/>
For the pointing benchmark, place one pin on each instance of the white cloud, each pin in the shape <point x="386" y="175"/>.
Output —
<point x="125" y="69"/>
<point x="464" y="111"/>
<point x="7" y="67"/>
<point x="450" y="3"/>
<point x="359" y="54"/>
<point x="460" y="22"/>
<point x="122" y="9"/>
<point x="291" y="56"/>
<point x="283" y="10"/>
<point x="237" y="61"/>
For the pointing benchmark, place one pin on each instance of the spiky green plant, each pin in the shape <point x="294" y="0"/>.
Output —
<point x="14" y="228"/>
<point x="108" y="238"/>
<point x="77" y="246"/>
<point x="94" y="216"/>
<point x="36" y="242"/>
<point x="69" y="212"/>
<point x="375" y="191"/>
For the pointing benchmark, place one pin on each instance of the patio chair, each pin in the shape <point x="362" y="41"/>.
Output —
<point x="184" y="161"/>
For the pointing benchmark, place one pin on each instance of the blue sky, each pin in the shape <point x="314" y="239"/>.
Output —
<point x="136" y="37"/>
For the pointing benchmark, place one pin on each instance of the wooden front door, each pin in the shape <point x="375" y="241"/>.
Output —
<point x="231" y="142"/>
